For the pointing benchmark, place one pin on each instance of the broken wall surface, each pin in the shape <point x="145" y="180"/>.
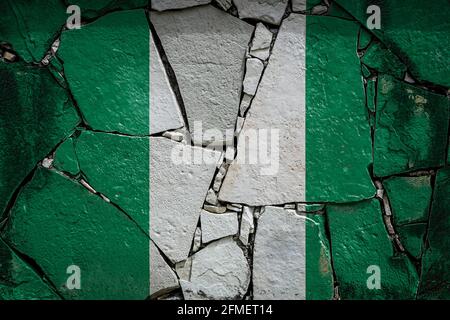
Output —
<point x="224" y="149"/>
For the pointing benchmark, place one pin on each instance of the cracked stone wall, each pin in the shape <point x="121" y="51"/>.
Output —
<point x="224" y="149"/>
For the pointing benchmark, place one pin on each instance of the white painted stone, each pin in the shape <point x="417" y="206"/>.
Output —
<point x="173" y="135"/>
<point x="234" y="207"/>
<point x="298" y="5"/>
<point x="239" y="124"/>
<point x="247" y="224"/>
<point x="176" y="202"/>
<point x="229" y="154"/>
<point x="164" y="110"/>
<point x="206" y="48"/>
<point x="215" y="209"/>
<point x="253" y="73"/>
<point x="162" y="277"/>
<point x="211" y="197"/>
<point x="161" y="5"/>
<point x="245" y="103"/>
<point x="197" y="240"/>
<point x="225" y="4"/>
<point x="270" y="11"/>
<point x="219" y="272"/>
<point x="278" y="106"/>
<point x="183" y="269"/>
<point x="216" y="226"/>
<point x="261" y="42"/>
<point x="279" y="256"/>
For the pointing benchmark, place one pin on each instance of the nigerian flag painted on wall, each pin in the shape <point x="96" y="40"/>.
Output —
<point x="313" y="94"/>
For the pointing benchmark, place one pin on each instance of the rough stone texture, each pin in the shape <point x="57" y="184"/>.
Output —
<point x="22" y="25"/>
<point x="252" y="75"/>
<point x="18" y="281"/>
<point x="299" y="5"/>
<point x="416" y="31"/>
<point x="270" y="11"/>
<point x="120" y="104"/>
<point x="219" y="271"/>
<point x="216" y="226"/>
<point x="65" y="158"/>
<point x="211" y="67"/>
<point x="247" y="225"/>
<point x="261" y="42"/>
<point x="77" y="226"/>
<point x="176" y="204"/>
<point x="164" y="111"/>
<point x="411" y="128"/>
<point x="35" y="115"/>
<point x="161" y="5"/>
<point x="435" y="280"/>
<point x="359" y="239"/>
<point x="378" y="57"/>
<point x="162" y="277"/>
<point x="290" y="252"/>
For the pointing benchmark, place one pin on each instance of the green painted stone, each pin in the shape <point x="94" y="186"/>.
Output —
<point x="335" y="10"/>
<point x="435" y="281"/>
<point x="66" y="158"/>
<point x="35" y="115"/>
<point x="92" y="9"/>
<point x="365" y="37"/>
<point x="31" y="26"/>
<point x="371" y="91"/>
<point x="18" y="281"/>
<point x="417" y="31"/>
<point x="60" y="223"/>
<point x="378" y="57"/>
<point x="118" y="167"/>
<point x="359" y="239"/>
<point x="412" y="238"/>
<point x="314" y="207"/>
<point x="107" y="67"/>
<point x="338" y="141"/>
<point x="411" y="128"/>
<point x="410" y="198"/>
<point x="319" y="274"/>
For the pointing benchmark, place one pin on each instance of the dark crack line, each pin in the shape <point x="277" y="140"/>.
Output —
<point x="35" y="267"/>
<point x="169" y="72"/>
<point x="333" y="269"/>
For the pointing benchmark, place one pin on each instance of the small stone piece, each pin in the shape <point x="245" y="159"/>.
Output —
<point x="197" y="240"/>
<point x="215" y="209"/>
<point x="252" y="75"/>
<point x="162" y="277"/>
<point x="219" y="272"/>
<point x="184" y="268"/>
<point x="211" y="197"/>
<point x="247" y="225"/>
<point x="261" y="42"/>
<point x="319" y="10"/>
<point x="225" y="4"/>
<point x="299" y="5"/>
<point x="270" y="11"/>
<point x="245" y="104"/>
<point x="175" y="136"/>
<point x="216" y="226"/>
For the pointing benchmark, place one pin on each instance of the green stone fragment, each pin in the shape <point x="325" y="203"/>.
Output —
<point x="409" y="197"/>
<point x="118" y="167"/>
<point x="107" y="67"/>
<point x="66" y="158"/>
<point x="365" y="38"/>
<point x="359" y="240"/>
<point x="93" y="9"/>
<point x="435" y="281"/>
<point x="371" y="91"/>
<point x="319" y="274"/>
<point x="59" y="223"/>
<point x="314" y="207"/>
<point x="338" y="136"/>
<point x="18" y="281"/>
<point x="383" y="60"/>
<point x="35" y="115"/>
<point x="411" y="128"/>
<point x="417" y="32"/>
<point x="31" y="26"/>
<point x="335" y="10"/>
<point x="412" y="238"/>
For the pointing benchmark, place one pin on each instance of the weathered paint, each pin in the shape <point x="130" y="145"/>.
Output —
<point x="359" y="240"/>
